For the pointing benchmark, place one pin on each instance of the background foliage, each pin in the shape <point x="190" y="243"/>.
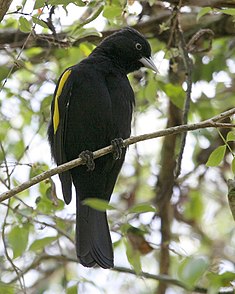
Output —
<point x="171" y="234"/>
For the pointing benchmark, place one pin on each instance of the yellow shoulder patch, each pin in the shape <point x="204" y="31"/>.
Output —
<point x="56" y="114"/>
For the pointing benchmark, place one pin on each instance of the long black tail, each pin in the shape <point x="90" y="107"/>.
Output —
<point x="93" y="241"/>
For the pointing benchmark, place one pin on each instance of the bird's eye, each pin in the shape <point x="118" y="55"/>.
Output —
<point x="138" y="46"/>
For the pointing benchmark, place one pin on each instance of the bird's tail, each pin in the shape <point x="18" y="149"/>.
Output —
<point x="93" y="241"/>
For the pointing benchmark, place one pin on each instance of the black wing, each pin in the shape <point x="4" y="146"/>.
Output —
<point x="57" y="128"/>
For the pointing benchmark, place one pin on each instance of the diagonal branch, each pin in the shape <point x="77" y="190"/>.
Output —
<point x="209" y="123"/>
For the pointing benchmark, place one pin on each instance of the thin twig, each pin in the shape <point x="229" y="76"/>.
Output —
<point x="27" y="146"/>
<point x="34" y="220"/>
<point x="5" y="245"/>
<point x="192" y="46"/>
<point x="7" y="183"/>
<point x="188" y="66"/>
<point x="169" y="280"/>
<point x="20" y="52"/>
<point x="164" y="278"/>
<point x="38" y="260"/>
<point x="93" y="16"/>
<point x="226" y="143"/>
<point x="209" y="123"/>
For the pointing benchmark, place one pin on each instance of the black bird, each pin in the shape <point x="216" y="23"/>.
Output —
<point x="92" y="106"/>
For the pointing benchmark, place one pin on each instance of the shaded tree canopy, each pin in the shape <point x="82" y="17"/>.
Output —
<point x="171" y="224"/>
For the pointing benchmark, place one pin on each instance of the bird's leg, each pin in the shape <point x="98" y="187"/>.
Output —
<point x="88" y="159"/>
<point x="117" y="144"/>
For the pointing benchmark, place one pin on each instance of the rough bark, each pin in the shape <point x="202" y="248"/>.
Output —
<point x="164" y="192"/>
<point x="4" y="6"/>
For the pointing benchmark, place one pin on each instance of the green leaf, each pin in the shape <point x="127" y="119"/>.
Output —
<point x="17" y="148"/>
<point x="79" y="3"/>
<point x="216" y="156"/>
<point x="141" y="208"/>
<point x="98" y="204"/>
<point x="176" y="94"/>
<point x="194" y="207"/>
<point x="151" y="89"/>
<point x="18" y="239"/>
<point x="112" y="11"/>
<point x="46" y="205"/>
<point x="192" y="269"/>
<point x="41" y="243"/>
<point x="85" y="48"/>
<point x="25" y="26"/>
<point x="226" y="278"/>
<point x="39" y="4"/>
<point x="3" y="74"/>
<point x="7" y="288"/>
<point x="230" y="136"/>
<point x="229" y="11"/>
<point x="214" y="283"/>
<point x="133" y="257"/>
<point x="233" y="166"/>
<point x="40" y="22"/>
<point x="80" y="33"/>
<point x="203" y="11"/>
<point x="217" y="281"/>
<point x="72" y="290"/>
<point x="163" y="27"/>
<point x="60" y="2"/>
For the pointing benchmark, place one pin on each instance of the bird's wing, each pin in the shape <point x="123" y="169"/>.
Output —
<point x="90" y="120"/>
<point x="59" y="121"/>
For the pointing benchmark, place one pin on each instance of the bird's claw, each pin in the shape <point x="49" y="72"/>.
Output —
<point x="88" y="159"/>
<point x="117" y="144"/>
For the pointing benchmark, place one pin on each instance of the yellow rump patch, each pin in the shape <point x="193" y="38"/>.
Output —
<point x="56" y="114"/>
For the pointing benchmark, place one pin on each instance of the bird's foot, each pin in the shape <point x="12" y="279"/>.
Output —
<point x="88" y="159"/>
<point x="117" y="144"/>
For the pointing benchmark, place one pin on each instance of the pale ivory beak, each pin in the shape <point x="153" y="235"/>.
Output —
<point x="148" y="62"/>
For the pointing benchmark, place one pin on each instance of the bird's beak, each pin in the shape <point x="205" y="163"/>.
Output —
<point x="148" y="62"/>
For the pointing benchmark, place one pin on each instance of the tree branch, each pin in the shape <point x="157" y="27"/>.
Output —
<point x="204" y="3"/>
<point x="4" y="6"/>
<point x="169" y="280"/>
<point x="189" y="69"/>
<point x="163" y="193"/>
<point x="221" y="25"/>
<point x="162" y="278"/>
<point x="209" y="123"/>
<point x="64" y="259"/>
<point x="165" y="278"/>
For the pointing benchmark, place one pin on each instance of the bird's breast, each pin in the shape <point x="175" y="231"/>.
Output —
<point x="122" y="100"/>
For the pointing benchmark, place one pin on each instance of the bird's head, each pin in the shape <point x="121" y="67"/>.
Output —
<point x="128" y="49"/>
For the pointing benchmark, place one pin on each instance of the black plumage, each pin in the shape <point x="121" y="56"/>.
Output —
<point x="92" y="105"/>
